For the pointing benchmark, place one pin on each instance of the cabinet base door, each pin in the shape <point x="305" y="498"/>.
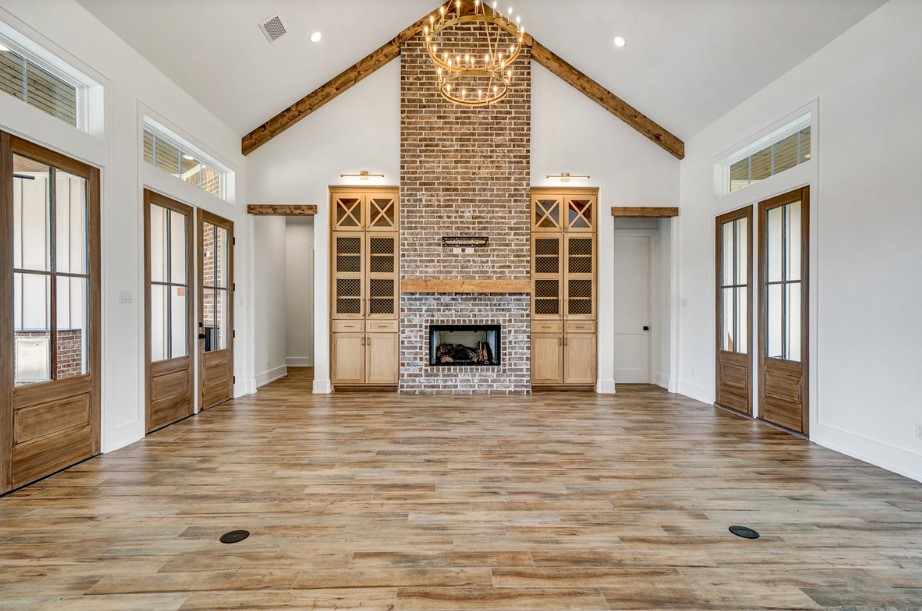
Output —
<point x="547" y="358"/>
<point x="580" y="363"/>
<point x="348" y="358"/>
<point x="381" y="353"/>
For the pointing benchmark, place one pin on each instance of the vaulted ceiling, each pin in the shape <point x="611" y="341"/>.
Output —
<point x="686" y="62"/>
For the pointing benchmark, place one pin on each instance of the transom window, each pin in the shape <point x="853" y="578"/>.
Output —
<point x="781" y="150"/>
<point x="167" y="153"/>
<point x="40" y="84"/>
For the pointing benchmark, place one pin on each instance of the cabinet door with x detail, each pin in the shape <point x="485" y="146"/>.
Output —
<point x="381" y="212"/>
<point x="349" y="212"/>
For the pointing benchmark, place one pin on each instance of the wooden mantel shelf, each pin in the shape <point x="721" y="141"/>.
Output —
<point x="435" y="285"/>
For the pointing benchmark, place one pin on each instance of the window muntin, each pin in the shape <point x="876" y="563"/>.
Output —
<point x="180" y="161"/>
<point x="39" y="85"/>
<point x="50" y="273"/>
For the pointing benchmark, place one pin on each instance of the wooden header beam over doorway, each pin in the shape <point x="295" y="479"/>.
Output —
<point x="282" y="209"/>
<point x="644" y="212"/>
<point x="390" y="50"/>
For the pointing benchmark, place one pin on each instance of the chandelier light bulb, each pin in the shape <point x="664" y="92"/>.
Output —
<point x="510" y="11"/>
<point x="518" y="19"/>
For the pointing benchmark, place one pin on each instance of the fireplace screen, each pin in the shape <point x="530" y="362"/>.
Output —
<point x="464" y="345"/>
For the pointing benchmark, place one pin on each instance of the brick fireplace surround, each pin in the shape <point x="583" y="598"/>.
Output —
<point x="464" y="172"/>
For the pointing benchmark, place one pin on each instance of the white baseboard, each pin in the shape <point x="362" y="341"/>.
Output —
<point x="271" y="375"/>
<point x="322" y="387"/>
<point x="695" y="391"/>
<point x="883" y="455"/>
<point x="605" y="387"/>
<point x="662" y="380"/>
<point x="299" y="361"/>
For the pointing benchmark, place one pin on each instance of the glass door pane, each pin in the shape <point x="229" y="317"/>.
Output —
<point x="169" y="284"/>
<point x="51" y="272"/>
<point x="783" y="281"/>
<point x="215" y="287"/>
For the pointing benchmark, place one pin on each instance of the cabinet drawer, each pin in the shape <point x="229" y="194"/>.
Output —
<point x="580" y="326"/>
<point x="355" y="326"/>
<point x="546" y="326"/>
<point x="381" y="326"/>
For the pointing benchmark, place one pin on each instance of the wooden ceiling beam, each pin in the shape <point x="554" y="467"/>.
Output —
<point x="601" y="96"/>
<point x="332" y="88"/>
<point x="391" y="50"/>
<point x="282" y="209"/>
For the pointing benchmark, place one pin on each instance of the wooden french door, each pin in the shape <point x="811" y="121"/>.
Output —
<point x="784" y="231"/>
<point x="168" y="308"/>
<point x="49" y="312"/>
<point x="734" y="321"/>
<point x="216" y="309"/>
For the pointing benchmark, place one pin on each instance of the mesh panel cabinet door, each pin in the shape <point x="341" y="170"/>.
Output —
<point x="547" y="275"/>
<point x="381" y="266"/>
<point x="348" y="275"/>
<point x="580" y="274"/>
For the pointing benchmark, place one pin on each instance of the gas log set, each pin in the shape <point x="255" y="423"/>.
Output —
<point x="464" y="345"/>
<point x="459" y="354"/>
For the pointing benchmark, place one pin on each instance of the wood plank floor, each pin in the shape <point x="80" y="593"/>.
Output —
<point x="376" y="501"/>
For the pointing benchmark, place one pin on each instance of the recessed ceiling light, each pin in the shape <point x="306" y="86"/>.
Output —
<point x="619" y="41"/>
<point x="316" y="36"/>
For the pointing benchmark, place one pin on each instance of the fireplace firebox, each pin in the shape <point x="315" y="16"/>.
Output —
<point x="465" y="345"/>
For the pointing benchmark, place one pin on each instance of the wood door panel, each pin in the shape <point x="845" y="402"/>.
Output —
<point x="733" y="381"/>
<point x="36" y="421"/>
<point x="51" y="453"/>
<point x="580" y="358"/>
<point x="51" y="391"/>
<point x="733" y="375"/>
<point x="382" y="356"/>
<point x="547" y="358"/>
<point x="788" y="414"/>
<point x="781" y="386"/>
<point x="169" y="385"/>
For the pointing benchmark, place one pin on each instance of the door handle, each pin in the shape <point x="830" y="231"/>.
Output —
<point x="646" y="327"/>
<point x="201" y="336"/>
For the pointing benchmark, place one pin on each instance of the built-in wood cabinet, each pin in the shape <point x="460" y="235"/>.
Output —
<point x="365" y="286"/>
<point x="564" y="312"/>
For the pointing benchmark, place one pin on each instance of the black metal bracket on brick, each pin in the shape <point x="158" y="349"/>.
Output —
<point x="464" y="241"/>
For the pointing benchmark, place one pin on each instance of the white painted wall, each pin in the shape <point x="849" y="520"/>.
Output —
<point x="866" y="331"/>
<point x="133" y="87"/>
<point x="299" y="289"/>
<point x="360" y="130"/>
<point x="269" y="298"/>
<point x="571" y="133"/>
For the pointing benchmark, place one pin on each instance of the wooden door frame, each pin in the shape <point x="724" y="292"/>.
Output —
<point x="207" y="217"/>
<point x="802" y="195"/>
<point x="741" y="213"/>
<point x="154" y="198"/>
<point x="10" y="145"/>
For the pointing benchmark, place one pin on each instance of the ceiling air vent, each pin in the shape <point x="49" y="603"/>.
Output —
<point x="272" y="27"/>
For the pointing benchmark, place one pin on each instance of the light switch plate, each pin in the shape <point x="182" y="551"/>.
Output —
<point x="125" y="296"/>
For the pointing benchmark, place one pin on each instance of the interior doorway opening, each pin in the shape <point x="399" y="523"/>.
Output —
<point x="643" y="301"/>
